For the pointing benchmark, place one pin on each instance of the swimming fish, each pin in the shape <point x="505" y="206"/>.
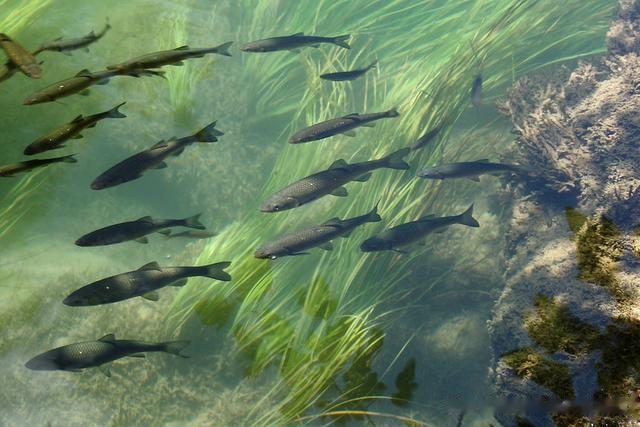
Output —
<point x="143" y="282"/>
<point x="58" y="136"/>
<point x="331" y="181"/>
<point x="293" y="42"/>
<point x="470" y="170"/>
<point x="320" y="236"/>
<point x="347" y="75"/>
<point x="476" y="91"/>
<point x="170" y="57"/>
<point x="190" y="234"/>
<point x="133" y="167"/>
<point x="339" y="125"/>
<point x="136" y="230"/>
<point x="23" y="59"/>
<point x="28" y="165"/>
<point x="80" y="82"/>
<point x="94" y="354"/>
<point x="412" y="232"/>
<point x="67" y="45"/>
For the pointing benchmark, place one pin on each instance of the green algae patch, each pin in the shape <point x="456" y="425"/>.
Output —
<point x="619" y="368"/>
<point x="528" y="363"/>
<point x="214" y="311"/>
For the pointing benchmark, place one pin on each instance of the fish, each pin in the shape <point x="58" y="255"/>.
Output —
<point x="143" y="282"/>
<point x="428" y="136"/>
<point x="170" y="57"/>
<point x="22" y="58"/>
<point x="320" y="236"/>
<point x="95" y="354"/>
<point x="339" y="125"/>
<point x="136" y="230"/>
<point x="331" y="181"/>
<point x="470" y="170"/>
<point x="293" y="42"/>
<point x="79" y="83"/>
<point x="28" y="165"/>
<point x="348" y="75"/>
<point x="72" y="130"/>
<point x="410" y="233"/>
<point x="476" y="91"/>
<point x="190" y="234"/>
<point x="67" y="45"/>
<point x="133" y="167"/>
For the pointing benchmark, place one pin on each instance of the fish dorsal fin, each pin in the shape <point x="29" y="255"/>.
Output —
<point x="185" y="47"/>
<point x="77" y="119"/>
<point x="91" y="34"/>
<point x="339" y="164"/>
<point x="83" y="72"/>
<point x="108" y="337"/>
<point x="427" y="217"/>
<point x="336" y="222"/>
<point x="353" y="115"/>
<point x="297" y="34"/>
<point x="482" y="161"/>
<point x="145" y="219"/>
<point x="150" y="266"/>
<point x="159" y="144"/>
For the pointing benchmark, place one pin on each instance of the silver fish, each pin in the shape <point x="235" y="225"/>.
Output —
<point x="170" y="57"/>
<point x="28" y="165"/>
<point x="412" y="232"/>
<point x="331" y="181"/>
<point x="67" y="45"/>
<point x="340" y="125"/>
<point x="133" y="167"/>
<point x="143" y="282"/>
<point x="293" y="42"/>
<point x="470" y="170"/>
<point x="348" y="75"/>
<point x="320" y="236"/>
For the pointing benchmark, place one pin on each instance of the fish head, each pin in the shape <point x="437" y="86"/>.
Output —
<point x="82" y="299"/>
<point x="38" y="98"/>
<point x="253" y="47"/>
<point x="86" y="240"/>
<point x="431" y="173"/>
<point x="300" y="138"/>
<point x="279" y="203"/>
<point x="375" y="244"/>
<point x="44" y="362"/>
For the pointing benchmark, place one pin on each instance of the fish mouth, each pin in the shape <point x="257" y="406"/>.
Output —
<point x="31" y="101"/>
<point x="265" y="209"/>
<point x="97" y="186"/>
<point x="261" y="255"/>
<point x="41" y="363"/>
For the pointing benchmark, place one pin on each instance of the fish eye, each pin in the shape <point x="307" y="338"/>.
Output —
<point x="276" y="207"/>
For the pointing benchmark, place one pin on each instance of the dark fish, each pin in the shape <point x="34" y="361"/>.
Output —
<point x="170" y="57"/>
<point x="343" y="125"/>
<point x="28" y="165"/>
<point x="331" y="181"/>
<point x="476" y="91"/>
<point x="296" y="243"/>
<point x="190" y="234"/>
<point x="347" y="75"/>
<point x="133" y="167"/>
<point x="93" y="354"/>
<point x="428" y="137"/>
<point x="136" y="230"/>
<point x="143" y="282"/>
<point x="25" y="61"/>
<point x="470" y="170"/>
<point x="80" y="82"/>
<point x="57" y="137"/>
<point x="412" y="232"/>
<point x="293" y="42"/>
<point x="67" y="45"/>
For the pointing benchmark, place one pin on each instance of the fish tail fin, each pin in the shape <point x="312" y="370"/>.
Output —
<point x="342" y="41"/>
<point x="69" y="159"/>
<point x="466" y="218"/>
<point x="395" y="160"/>
<point x="373" y="215"/>
<point x="216" y="271"/>
<point x="194" y="222"/>
<point x="208" y="133"/>
<point x="392" y="113"/>
<point x="175" y="347"/>
<point x="115" y="114"/>
<point x="223" y="49"/>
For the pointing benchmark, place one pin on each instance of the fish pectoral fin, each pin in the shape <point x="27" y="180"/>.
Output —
<point x="83" y="72"/>
<point x="103" y="82"/>
<point x="326" y="246"/>
<point x="474" y="178"/>
<point x="159" y="144"/>
<point x="364" y="178"/>
<point x="160" y="165"/>
<point x="66" y="52"/>
<point x="139" y="355"/>
<point x="368" y="125"/>
<point x="349" y="133"/>
<point x="78" y="136"/>
<point x="72" y="370"/>
<point x="86" y="49"/>
<point x="335" y="221"/>
<point x="185" y="47"/>
<point x="339" y="164"/>
<point x="151" y="296"/>
<point x="166" y="231"/>
<point x="85" y="92"/>
<point x="92" y="125"/>
<point x="347" y="234"/>
<point x="482" y="161"/>
<point x="178" y="152"/>
<point x="297" y="34"/>
<point x="108" y="337"/>
<point x="105" y="370"/>
<point x="340" y="192"/>
<point x="143" y="240"/>
<point x="145" y="219"/>
<point x="180" y="283"/>
<point x="77" y="119"/>
<point x="150" y="266"/>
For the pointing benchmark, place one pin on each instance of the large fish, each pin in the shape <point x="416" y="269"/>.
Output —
<point x="143" y="282"/>
<point x="94" y="354"/>
<point x="339" y="125"/>
<point x="79" y="83"/>
<point x="342" y="76"/>
<point x="67" y="45"/>
<point x="470" y="170"/>
<point x="331" y="181"/>
<point x="133" y="167"/>
<point x="136" y="230"/>
<point x="28" y="165"/>
<point x="22" y="58"/>
<point x="407" y="234"/>
<point x="293" y="42"/>
<point x="58" y="136"/>
<point x="320" y="236"/>
<point x="170" y="57"/>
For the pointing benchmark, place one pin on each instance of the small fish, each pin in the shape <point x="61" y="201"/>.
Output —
<point x="190" y="234"/>
<point x="65" y="46"/>
<point x="348" y="75"/>
<point x="412" y="232"/>
<point x="294" y="42"/>
<point x="476" y="91"/>
<point x="470" y="170"/>
<point x="339" y="125"/>
<point x="296" y="243"/>
<point x="26" y="61"/>
<point x="170" y="57"/>
<point x="143" y="282"/>
<point x="136" y="230"/>
<point x="28" y="165"/>
<point x="93" y="354"/>
<point x="133" y="167"/>
<point x="331" y="181"/>
<point x="58" y="136"/>
<point x="79" y="83"/>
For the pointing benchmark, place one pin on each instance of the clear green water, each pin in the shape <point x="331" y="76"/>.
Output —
<point x="289" y="339"/>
